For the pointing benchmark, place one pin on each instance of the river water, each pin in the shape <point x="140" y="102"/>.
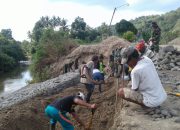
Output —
<point x="14" y="80"/>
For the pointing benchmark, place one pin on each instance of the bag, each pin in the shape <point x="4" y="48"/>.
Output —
<point x="82" y="75"/>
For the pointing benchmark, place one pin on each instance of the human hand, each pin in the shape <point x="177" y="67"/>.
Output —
<point x="93" y="106"/>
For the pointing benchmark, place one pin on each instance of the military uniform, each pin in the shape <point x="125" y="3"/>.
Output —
<point x="155" y="37"/>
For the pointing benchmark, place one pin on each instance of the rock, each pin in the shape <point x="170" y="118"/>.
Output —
<point x="178" y="63"/>
<point x="164" y="112"/>
<point x="157" y="111"/>
<point x="168" y="49"/>
<point x="156" y="116"/>
<point x="173" y="112"/>
<point x="165" y="61"/>
<point x="172" y="64"/>
<point x="177" y="120"/>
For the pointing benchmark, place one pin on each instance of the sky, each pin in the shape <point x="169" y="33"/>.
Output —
<point x="21" y="15"/>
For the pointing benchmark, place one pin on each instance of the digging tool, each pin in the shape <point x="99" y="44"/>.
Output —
<point x="90" y="122"/>
<point x="175" y="94"/>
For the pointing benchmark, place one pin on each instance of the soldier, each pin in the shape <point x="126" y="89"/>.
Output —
<point x="155" y="37"/>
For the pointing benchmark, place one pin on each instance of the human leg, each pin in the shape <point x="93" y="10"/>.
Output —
<point x="54" y="116"/>
<point x="131" y="95"/>
<point x="49" y="111"/>
<point x="90" y="89"/>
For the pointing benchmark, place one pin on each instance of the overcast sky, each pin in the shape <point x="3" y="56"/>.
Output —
<point x="21" y="15"/>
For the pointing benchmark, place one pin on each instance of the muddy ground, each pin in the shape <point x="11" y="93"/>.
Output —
<point x="29" y="115"/>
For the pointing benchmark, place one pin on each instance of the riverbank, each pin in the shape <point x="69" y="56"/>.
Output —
<point x="49" y="87"/>
<point x="29" y="114"/>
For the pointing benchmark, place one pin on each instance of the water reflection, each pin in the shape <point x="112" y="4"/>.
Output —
<point x="15" y="80"/>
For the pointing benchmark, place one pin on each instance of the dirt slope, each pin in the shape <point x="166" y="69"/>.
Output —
<point x="85" y="52"/>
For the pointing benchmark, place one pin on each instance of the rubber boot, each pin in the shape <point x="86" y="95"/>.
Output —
<point x="52" y="126"/>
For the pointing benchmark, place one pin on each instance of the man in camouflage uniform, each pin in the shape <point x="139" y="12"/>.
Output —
<point x="155" y="37"/>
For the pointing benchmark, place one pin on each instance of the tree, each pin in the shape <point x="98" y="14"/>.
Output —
<point x="129" y="36"/>
<point x="78" y="28"/>
<point x="7" y="33"/>
<point x="103" y="30"/>
<point x="124" y="26"/>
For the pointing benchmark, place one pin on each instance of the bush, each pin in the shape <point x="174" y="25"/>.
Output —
<point x="129" y="36"/>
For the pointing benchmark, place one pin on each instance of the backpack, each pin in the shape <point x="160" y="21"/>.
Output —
<point x="81" y="71"/>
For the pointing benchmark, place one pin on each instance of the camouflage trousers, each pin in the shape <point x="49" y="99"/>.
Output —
<point x="155" y="48"/>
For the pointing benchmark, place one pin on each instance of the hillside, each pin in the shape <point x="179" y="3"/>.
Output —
<point x="29" y="113"/>
<point x="168" y="22"/>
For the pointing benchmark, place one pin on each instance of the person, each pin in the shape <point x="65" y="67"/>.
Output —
<point x="143" y="49"/>
<point x="155" y="37"/>
<point x="86" y="76"/>
<point x="101" y="65"/>
<point x="146" y="89"/>
<point x="111" y="64"/>
<point x="58" y="109"/>
<point x="98" y="76"/>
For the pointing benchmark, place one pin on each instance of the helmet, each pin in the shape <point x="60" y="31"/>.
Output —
<point x="81" y="95"/>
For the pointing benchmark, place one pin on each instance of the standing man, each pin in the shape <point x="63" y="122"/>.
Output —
<point x="86" y="74"/>
<point x="146" y="89"/>
<point x="57" y="110"/>
<point x="155" y="37"/>
<point x="144" y="50"/>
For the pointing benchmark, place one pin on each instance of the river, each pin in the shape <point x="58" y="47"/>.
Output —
<point x="12" y="81"/>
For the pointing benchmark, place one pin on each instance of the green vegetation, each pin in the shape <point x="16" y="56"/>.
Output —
<point x="129" y="36"/>
<point x="169" y="24"/>
<point x="123" y="26"/>
<point x="52" y="38"/>
<point x="10" y="51"/>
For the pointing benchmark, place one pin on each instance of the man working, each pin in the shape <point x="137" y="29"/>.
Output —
<point x="57" y="110"/>
<point x="86" y="74"/>
<point x="98" y="76"/>
<point x="146" y="89"/>
<point x="143" y="49"/>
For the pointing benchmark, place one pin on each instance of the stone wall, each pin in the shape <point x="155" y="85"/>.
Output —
<point x="168" y="59"/>
<point x="48" y="87"/>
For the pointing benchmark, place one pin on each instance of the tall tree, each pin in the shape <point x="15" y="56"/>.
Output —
<point x="78" y="28"/>
<point x="124" y="26"/>
<point x="7" y="33"/>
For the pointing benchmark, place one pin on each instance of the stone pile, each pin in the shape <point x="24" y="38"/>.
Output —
<point x="162" y="113"/>
<point x="168" y="58"/>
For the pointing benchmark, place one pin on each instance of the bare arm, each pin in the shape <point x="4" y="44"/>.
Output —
<point x="83" y="103"/>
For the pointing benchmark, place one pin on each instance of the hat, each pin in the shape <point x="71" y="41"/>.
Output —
<point x="126" y="53"/>
<point x="81" y="95"/>
<point x="140" y="46"/>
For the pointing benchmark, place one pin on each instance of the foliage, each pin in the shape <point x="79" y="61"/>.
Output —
<point x="129" y="36"/>
<point x="6" y="62"/>
<point x="52" y="46"/>
<point x="124" y="26"/>
<point x="78" y="29"/>
<point x="7" y="33"/>
<point x="10" y="51"/>
<point x="103" y="30"/>
<point x="169" y="24"/>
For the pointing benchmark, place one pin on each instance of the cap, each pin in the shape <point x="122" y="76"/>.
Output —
<point x="81" y="95"/>
<point x="140" y="46"/>
<point x="126" y="53"/>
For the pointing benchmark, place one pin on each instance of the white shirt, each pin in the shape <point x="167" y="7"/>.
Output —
<point x="145" y="78"/>
<point x="96" y="71"/>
